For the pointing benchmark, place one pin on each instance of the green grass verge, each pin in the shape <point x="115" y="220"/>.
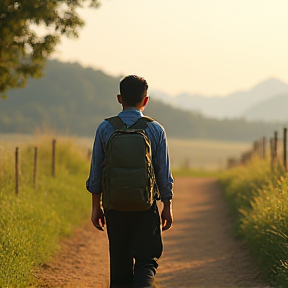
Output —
<point x="32" y="223"/>
<point x="258" y="198"/>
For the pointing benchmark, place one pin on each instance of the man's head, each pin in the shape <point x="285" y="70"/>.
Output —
<point x="133" y="90"/>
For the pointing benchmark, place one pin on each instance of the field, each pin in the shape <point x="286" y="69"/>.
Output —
<point x="193" y="154"/>
<point x="254" y="186"/>
<point x="203" y="154"/>
<point x="196" y="154"/>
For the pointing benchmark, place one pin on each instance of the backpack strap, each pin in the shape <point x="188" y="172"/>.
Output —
<point x="142" y="123"/>
<point x="116" y="122"/>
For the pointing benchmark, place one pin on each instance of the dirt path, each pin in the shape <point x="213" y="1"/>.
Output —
<point x="199" y="250"/>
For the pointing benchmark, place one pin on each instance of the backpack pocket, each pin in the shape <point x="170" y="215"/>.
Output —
<point x="128" y="190"/>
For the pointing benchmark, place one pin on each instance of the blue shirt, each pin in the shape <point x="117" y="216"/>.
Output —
<point x="160" y="158"/>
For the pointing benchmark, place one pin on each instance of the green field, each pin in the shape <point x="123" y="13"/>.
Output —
<point x="254" y="193"/>
<point x="205" y="154"/>
<point x="193" y="154"/>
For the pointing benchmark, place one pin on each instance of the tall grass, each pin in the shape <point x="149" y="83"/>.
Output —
<point x="258" y="198"/>
<point x="32" y="223"/>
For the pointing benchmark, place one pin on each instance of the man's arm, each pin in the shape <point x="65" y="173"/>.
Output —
<point x="93" y="184"/>
<point x="97" y="215"/>
<point x="164" y="181"/>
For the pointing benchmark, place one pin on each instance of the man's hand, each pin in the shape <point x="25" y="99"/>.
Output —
<point x="97" y="215"/>
<point x="167" y="215"/>
<point x="98" y="219"/>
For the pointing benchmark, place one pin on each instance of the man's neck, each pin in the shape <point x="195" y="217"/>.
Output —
<point x="141" y="109"/>
<point x="130" y="108"/>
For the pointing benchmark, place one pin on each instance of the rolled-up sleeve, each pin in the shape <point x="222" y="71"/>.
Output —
<point x="163" y="174"/>
<point x="94" y="181"/>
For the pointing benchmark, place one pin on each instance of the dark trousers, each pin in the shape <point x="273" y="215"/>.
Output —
<point x="135" y="244"/>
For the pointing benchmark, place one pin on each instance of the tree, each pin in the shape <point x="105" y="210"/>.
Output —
<point x="29" y="33"/>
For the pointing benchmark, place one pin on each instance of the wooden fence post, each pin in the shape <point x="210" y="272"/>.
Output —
<point x="272" y="151"/>
<point x="53" y="156"/>
<point x="243" y="159"/>
<point x="285" y="149"/>
<point x="258" y="148"/>
<point x="35" y="167"/>
<point x="254" y="149"/>
<point x="17" y="171"/>
<point x="275" y="146"/>
<point x="186" y="163"/>
<point x="264" y="142"/>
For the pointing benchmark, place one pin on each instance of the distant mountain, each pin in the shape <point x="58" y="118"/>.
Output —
<point x="74" y="100"/>
<point x="232" y="106"/>
<point x="272" y="109"/>
<point x="160" y="96"/>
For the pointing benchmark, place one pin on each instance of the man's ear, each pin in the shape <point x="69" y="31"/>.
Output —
<point x="119" y="98"/>
<point x="145" y="101"/>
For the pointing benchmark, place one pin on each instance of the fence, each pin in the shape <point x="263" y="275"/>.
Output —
<point x="35" y="161"/>
<point x="52" y="164"/>
<point x="260" y="150"/>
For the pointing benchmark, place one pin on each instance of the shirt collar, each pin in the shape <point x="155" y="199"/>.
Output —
<point x="131" y="111"/>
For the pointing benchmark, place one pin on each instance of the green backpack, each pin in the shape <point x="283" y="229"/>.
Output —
<point x="128" y="181"/>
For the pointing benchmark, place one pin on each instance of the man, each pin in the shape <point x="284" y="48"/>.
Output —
<point x="135" y="241"/>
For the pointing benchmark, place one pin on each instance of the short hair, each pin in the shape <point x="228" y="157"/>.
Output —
<point x="133" y="89"/>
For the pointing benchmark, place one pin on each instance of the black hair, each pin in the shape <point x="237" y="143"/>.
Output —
<point x="133" y="89"/>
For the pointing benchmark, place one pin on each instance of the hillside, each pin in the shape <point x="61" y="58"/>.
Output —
<point x="272" y="109"/>
<point x="231" y="106"/>
<point x="74" y="100"/>
<point x="69" y="98"/>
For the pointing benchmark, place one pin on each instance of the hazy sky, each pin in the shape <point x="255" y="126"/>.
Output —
<point x="212" y="47"/>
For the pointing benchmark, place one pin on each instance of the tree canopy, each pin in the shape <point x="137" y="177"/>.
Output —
<point x="29" y="33"/>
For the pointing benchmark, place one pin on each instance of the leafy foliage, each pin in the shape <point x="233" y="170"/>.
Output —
<point x="23" y="50"/>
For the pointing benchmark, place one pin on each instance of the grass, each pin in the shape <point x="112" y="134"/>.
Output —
<point x="193" y="154"/>
<point x="32" y="223"/>
<point x="258" y="198"/>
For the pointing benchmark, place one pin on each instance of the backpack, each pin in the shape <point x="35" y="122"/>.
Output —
<point x="128" y="180"/>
